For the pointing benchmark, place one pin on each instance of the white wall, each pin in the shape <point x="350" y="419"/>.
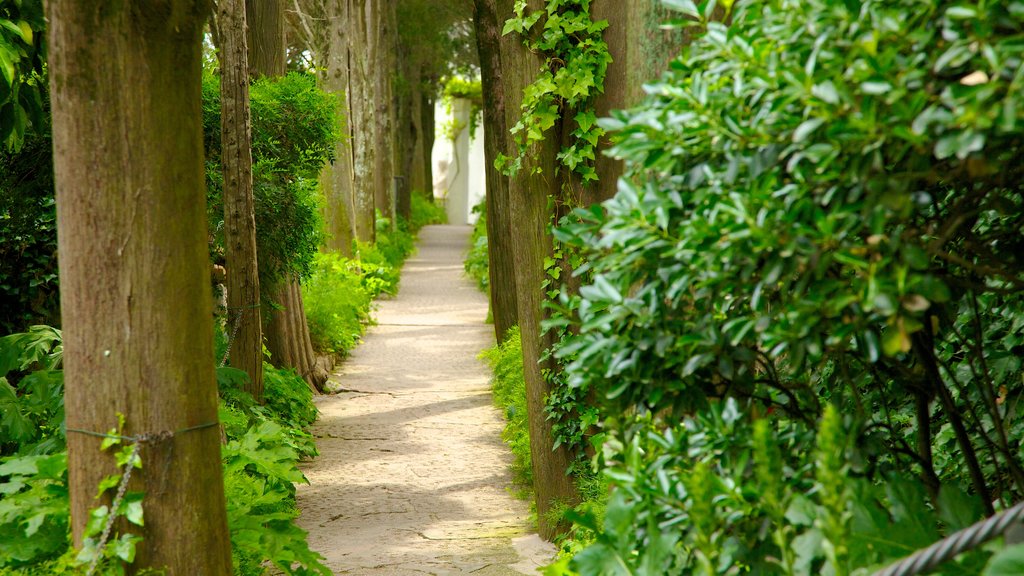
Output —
<point x="459" y="169"/>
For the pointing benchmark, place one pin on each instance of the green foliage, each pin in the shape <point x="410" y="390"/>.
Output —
<point x="457" y="87"/>
<point x="509" y="390"/>
<point x="294" y="128"/>
<point x="576" y="62"/>
<point x="28" y="234"/>
<point x="22" y="70"/>
<point x="477" y="263"/>
<point x="31" y="392"/>
<point x="425" y="212"/>
<point x="265" y="443"/>
<point x="337" y="304"/>
<point x="821" y="215"/>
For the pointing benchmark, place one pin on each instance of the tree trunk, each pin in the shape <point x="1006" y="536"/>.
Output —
<point x="529" y="217"/>
<point x="499" y="232"/>
<point x="243" y="284"/>
<point x="135" y="285"/>
<point x="288" y="332"/>
<point x="363" y="119"/>
<point x="336" y="179"/>
<point x="384" y="61"/>
<point x="266" y="37"/>
<point x="428" y="130"/>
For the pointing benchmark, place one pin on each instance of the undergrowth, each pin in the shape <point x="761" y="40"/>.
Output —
<point x="264" y="446"/>
<point x="477" y="265"/>
<point x="509" y="388"/>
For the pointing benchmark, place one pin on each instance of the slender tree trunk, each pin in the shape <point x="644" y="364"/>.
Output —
<point x="528" y="196"/>
<point x="363" y="119"/>
<point x="243" y="284"/>
<point x="289" y="344"/>
<point x="336" y="179"/>
<point x="504" y="307"/>
<point x="383" y="70"/>
<point x="428" y="130"/>
<point x="135" y="286"/>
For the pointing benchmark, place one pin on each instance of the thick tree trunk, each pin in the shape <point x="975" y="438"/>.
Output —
<point x="266" y="37"/>
<point x="529" y="217"/>
<point x="243" y="284"/>
<point x="336" y="179"/>
<point x="135" y="286"/>
<point x="504" y="308"/>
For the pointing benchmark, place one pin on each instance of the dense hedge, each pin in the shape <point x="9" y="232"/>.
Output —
<point x="802" y="311"/>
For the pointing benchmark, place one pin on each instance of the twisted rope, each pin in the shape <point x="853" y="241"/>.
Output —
<point x="955" y="544"/>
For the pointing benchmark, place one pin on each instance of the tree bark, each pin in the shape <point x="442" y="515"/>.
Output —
<point x="504" y="308"/>
<point x="429" y="131"/>
<point x="135" y="286"/>
<point x="243" y="284"/>
<point x="288" y="332"/>
<point x="266" y="37"/>
<point x="529" y="190"/>
<point x="363" y="119"/>
<point x="336" y="179"/>
<point x="383" y="70"/>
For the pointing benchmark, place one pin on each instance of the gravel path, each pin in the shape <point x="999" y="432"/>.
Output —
<point x="412" y="473"/>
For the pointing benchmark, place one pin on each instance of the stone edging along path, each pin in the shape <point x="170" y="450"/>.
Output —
<point x="412" y="475"/>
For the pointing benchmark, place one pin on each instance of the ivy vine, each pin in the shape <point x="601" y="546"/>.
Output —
<point x="576" y="63"/>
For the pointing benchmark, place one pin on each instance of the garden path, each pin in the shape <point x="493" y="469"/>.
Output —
<point x="412" y="476"/>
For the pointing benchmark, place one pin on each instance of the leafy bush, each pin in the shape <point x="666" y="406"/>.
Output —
<point x="425" y="212"/>
<point x="477" y="263"/>
<point x="265" y="443"/>
<point x="337" y="304"/>
<point x="821" y="215"/>
<point x="28" y="236"/>
<point x="293" y="133"/>
<point x="509" y="390"/>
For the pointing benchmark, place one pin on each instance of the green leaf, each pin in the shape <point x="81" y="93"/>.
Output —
<point x="1007" y="562"/>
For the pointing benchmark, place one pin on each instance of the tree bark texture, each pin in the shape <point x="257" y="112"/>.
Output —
<point x="336" y="179"/>
<point x="531" y="244"/>
<point x="504" y="308"/>
<point x="243" y="284"/>
<point x="363" y="115"/>
<point x="266" y="22"/>
<point x="135" y="281"/>
<point x="384" y="66"/>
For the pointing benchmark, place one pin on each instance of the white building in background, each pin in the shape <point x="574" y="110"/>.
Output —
<point x="459" y="164"/>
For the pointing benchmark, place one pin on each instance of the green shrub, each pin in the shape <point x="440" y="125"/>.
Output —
<point x="294" y="127"/>
<point x="821" y="215"/>
<point x="265" y="443"/>
<point x="425" y="212"/>
<point x="337" y="304"/>
<point x="477" y="263"/>
<point x="509" y="389"/>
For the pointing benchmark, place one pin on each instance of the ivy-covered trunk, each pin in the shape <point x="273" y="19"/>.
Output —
<point x="135" y="278"/>
<point x="529" y="191"/>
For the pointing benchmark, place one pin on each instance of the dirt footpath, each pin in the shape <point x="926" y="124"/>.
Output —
<point x="412" y="473"/>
